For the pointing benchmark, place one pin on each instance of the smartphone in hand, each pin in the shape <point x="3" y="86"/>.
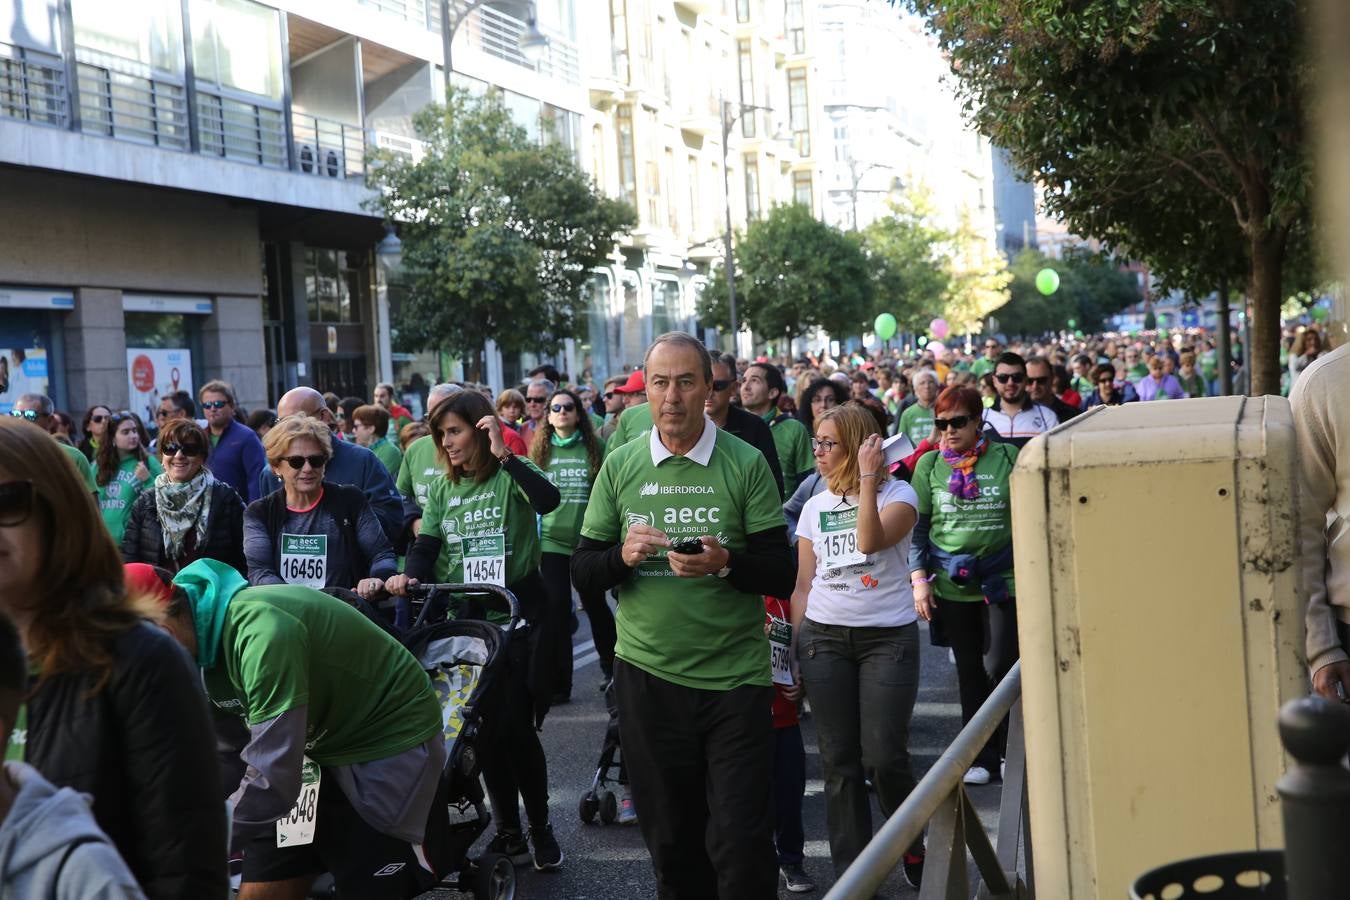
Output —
<point x="688" y="547"/>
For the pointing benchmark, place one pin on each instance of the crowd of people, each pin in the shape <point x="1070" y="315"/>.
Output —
<point x="772" y="533"/>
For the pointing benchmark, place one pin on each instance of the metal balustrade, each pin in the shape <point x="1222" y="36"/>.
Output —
<point x="33" y="87"/>
<point x="328" y="149"/>
<point x="241" y="130"/>
<point x="497" y="34"/>
<point x="126" y="99"/>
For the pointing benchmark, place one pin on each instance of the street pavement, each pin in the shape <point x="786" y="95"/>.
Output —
<point x="609" y="862"/>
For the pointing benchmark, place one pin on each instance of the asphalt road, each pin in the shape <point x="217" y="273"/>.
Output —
<point x="611" y="863"/>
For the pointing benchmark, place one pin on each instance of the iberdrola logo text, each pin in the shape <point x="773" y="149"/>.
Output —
<point x="651" y="488"/>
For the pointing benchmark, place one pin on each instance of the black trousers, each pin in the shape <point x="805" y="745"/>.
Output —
<point x="700" y="766"/>
<point x="555" y="569"/>
<point x="983" y="638"/>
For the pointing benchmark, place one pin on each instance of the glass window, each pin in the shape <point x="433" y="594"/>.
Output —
<point x="801" y="189"/>
<point x="623" y="124"/>
<point x="237" y="44"/>
<point x="745" y="61"/>
<point x="665" y="305"/>
<point x="798" y="114"/>
<point x="742" y="10"/>
<point x="751" y="187"/>
<point x="796" y="25"/>
<point x="147" y="31"/>
<point x="334" y="285"/>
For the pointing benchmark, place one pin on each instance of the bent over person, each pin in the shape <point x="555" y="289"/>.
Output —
<point x="687" y="524"/>
<point x="345" y="748"/>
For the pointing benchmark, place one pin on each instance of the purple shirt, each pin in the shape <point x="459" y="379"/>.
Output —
<point x="1168" y="389"/>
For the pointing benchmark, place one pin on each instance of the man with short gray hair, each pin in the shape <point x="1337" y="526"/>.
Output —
<point x="537" y="393"/>
<point x="38" y="409"/>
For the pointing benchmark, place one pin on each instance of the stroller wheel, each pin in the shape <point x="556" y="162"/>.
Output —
<point x="588" y="807"/>
<point x="609" y="807"/>
<point x="494" y="878"/>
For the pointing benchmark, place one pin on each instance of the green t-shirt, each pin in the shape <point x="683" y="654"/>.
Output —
<point x="116" y="497"/>
<point x="284" y="646"/>
<point x="1193" y="386"/>
<point x="490" y="525"/>
<point x="1137" y="371"/>
<point x="596" y="422"/>
<point x="82" y="466"/>
<point x="697" y="632"/>
<point x="794" y="447"/>
<point x="570" y="469"/>
<point x="980" y="526"/>
<point x="419" y="469"/>
<point x="982" y="366"/>
<point x="916" y="423"/>
<point x="1209" y="364"/>
<point x="390" y="455"/>
<point x="634" y="422"/>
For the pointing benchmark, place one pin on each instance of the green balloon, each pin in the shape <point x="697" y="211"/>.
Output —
<point x="1073" y="323"/>
<point x="1318" y="313"/>
<point x="1047" y="281"/>
<point x="885" y="326"/>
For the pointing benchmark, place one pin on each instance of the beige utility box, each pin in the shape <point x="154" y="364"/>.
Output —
<point x="1160" y="632"/>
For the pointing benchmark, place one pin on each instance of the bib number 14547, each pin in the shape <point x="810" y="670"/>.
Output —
<point x="485" y="559"/>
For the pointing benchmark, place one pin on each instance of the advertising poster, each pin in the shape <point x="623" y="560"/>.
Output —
<point x="153" y="373"/>
<point x="22" y="371"/>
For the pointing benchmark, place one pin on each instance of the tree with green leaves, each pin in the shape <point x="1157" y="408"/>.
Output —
<point x="1090" y="291"/>
<point x="498" y="232"/>
<point x="794" y="273"/>
<point x="1172" y="130"/>
<point x="979" y="280"/>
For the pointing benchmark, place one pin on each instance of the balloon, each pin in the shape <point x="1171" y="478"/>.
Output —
<point x="937" y="347"/>
<point x="1047" y="281"/>
<point x="939" y="328"/>
<point x="885" y="326"/>
<point x="1318" y="313"/>
<point x="1073" y="323"/>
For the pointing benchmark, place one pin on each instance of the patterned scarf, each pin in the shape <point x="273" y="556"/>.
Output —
<point x="962" y="484"/>
<point x="183" y="506"/>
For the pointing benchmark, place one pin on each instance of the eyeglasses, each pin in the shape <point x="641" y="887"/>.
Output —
<point x="826" y="445"/>
<point x="721" y="384"/>
<point x="16" y="502"/>
<point x="1040" y="379"/>
<point x="1107" y="380"/>
<point x="97" y="420"/>
<point x="215" y="404"/>
<point x="189" y="448"/>
<point x="317" y="461"/>
<point x="535" y="399"/>
<point x="161" y="413"/>
<point x="955" y="423"/>
<point x="29" y="414"/>
<point x="1014" y="377"/>
<point x="563" y="407"/>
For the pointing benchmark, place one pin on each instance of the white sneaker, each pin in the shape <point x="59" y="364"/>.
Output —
<point x="976" y="775"/>
<point x="1003" y="769"/>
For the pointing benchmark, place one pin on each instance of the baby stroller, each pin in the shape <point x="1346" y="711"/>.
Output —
<point x="465" y="658"/>
<point x="599" y="799"/>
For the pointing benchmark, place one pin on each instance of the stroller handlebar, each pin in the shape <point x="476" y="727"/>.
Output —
<point x="498" y="593"/>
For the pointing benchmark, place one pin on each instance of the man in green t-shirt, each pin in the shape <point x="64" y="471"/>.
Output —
<point x="916" y="422"/>
<point x="420" y="466"/>
<point x="345" y="748"/>
<point x="692" y="675"/>
<point x="761" y="386"/>
<point x="38" y="409"/>
<point x="986" y="363"/>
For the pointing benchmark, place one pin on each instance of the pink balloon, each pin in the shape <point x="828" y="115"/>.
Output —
<point x="937" y="348"/>
<point x="939" y="328"/>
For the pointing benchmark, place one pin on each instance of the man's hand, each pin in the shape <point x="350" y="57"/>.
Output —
<point x="367" y="588"/>
<point x="398" y="584"/>
<point x="695" y="565"/>
<point x="1326" y="679"/>
<point x="642" y="541"/>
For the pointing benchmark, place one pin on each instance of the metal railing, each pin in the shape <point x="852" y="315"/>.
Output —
<point x="127" y="100"/>
<point x="241" y="130"/>
<point x="941" y="803"/>
<point x="33" y="86"/>
<point x="328" y="149"/>
<point x="497" y="34"/>
<point x="419" y="12"/>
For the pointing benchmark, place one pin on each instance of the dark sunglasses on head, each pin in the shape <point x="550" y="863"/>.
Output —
<point x="956" y="422"/>
<point x="16" y="502"/>
<point x="1040" y="379"/>
<point x="563" y="407"/>
<point x="29" y="414"/>
<point x="721" y="384"/>
<point x="189" y="448"/>
<point x="215" y="404"/>
<point x="535" y="399"/>
<point x="1014" y="377"/>
<point x="317" y="461"/>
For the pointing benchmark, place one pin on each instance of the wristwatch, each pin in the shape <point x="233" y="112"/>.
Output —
<point x="724" y="571"/>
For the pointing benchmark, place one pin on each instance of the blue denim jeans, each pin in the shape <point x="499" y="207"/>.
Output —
<point x="789" y="785"/>
<point x="862" y="683"/>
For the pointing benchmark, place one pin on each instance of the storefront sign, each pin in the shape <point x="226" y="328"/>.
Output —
<point x="22" y="371"/>
<point x="159" y="303"/>
<point x="151" y="374"/>
<point x="27" y="298"/>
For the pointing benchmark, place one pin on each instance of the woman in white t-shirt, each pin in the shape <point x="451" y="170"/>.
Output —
<point x="857" y="644"/>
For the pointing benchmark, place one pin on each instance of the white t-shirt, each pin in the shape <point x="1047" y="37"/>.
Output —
<point x="851" y="588"/>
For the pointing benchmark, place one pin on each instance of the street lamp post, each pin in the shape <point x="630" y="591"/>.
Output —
<point x="533" y="42"/>
<point x="857" y="178"/>
<point x="728" y="120"/>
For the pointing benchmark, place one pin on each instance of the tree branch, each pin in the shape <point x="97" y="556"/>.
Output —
<point x="1211" y="185"/>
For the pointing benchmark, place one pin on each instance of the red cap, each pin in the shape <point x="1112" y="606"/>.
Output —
<point x="635" y="384"/>
<point x="142" y="579"/>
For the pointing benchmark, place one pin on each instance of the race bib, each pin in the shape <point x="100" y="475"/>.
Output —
<point x="304" y="559"/>
<point x="485" y="559"/>
<point x="838" y="543"/>
<point x="780" y="650"/>
<point x="297" y="826"/>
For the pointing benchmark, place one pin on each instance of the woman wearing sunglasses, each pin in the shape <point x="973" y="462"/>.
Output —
<point x="961" y="564"/>
<point x="93" y="427"/>
<point x="311" y="531"/>
<point x="123" y="470"/>
<point x="568" y="451"/>
<point x="1109" y="392"/>
<point x="189" y="515"/>
<point x="114" y="709"/>
<point x="854" y="623"/>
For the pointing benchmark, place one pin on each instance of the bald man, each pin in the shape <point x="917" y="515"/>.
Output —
<point x="351" y="464"/>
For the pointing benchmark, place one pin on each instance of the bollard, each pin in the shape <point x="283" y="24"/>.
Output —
<point x="1316" y="798"/>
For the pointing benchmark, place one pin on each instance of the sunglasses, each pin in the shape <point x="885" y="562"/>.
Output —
<point x="317" y="461"/>
<point x="16" y="502"/>
<point x="609" y="395"/>
<point x="161" y="413"/>
<point x="1043" y="379"/>
<point x="215" y="404"/>
<point x="97" y="420"/>
<point x="826" y="445"/>
<point x="721" y="384"/>
<point x="1106" y="380"/>
<point x="1014" y="377"/>
<point x="29" y="414"/>
<point x="954" y="423"/>
<point x="563" y="407"/>
<point x="188" y="448"/>
<point x="535" y="399"/>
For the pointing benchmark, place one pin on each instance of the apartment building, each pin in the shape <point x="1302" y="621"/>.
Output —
<point x="667" y="82"/>
<point x="182" y="182"/>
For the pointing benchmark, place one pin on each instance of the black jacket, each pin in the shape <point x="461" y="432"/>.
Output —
<point x="143" y="541"/>
<point x="143" y="747"/>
